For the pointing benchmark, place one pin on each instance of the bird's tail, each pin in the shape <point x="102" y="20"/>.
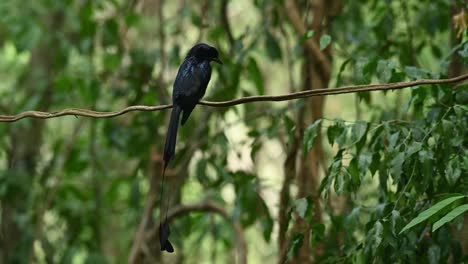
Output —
<point x="171" y="136"/>
<point x="169" y="151"/>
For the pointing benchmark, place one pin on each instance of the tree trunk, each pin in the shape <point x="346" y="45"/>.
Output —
<point x="316" y="74"/>
<point x="456" y="68"/>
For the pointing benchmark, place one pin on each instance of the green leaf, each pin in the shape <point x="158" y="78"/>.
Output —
<point x="272" y="47"/>
<point x="317" y="234"/>
<point x="295" y="246"/>
<point x="110" y="34"/>
<point x="201" y="171"/>
<point x="385" y="69"/>
<point x="196" y="20"/>
<point x="416" y="73"/>
<point x="256" y="75"/>
<point x="325" y="41"/>
<point x="375" y="163"/>
<point x="376" y="234"/>
<point x="453" y="171"/>
<point x="394" y="220"/>
<point x="305" y="208"/>
<point x="358" y="133"/>
<point x="464" y="52"/>
<point x="310" y="135"/>
<point x="450" y="216"/>
<point x="255" y="148"/>
<point x="301" y="206"/>
<point x="308" y="35"/>
<point x="393" y="140"/>
<point x="396" y="165"/>
<point x="112" y="61"/>
<point x="365" y="160"/>
<point x="333" y="171"/>
<point x="353" y="170"/>
<point x="339" y="184"/>
<point x="370" y="68"/>
<point x="431" y="211"/>
<point x="436" y="51"/>
<point x="340" y="72"/>
<point x="288" y="218"/>
<point x="342" y="139"/>
<point x="352" y="219"/>
<point x="131" y="19"/>
<point x="413" y="148"/>
<point x="267" y="227"/>
<point x="334" y="131"/>
<point x="364" y="69"/>
<point x="290" y="126"/>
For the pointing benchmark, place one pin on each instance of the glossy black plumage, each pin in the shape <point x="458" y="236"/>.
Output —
<point x="164" y="233"/>
<point x="189" y="87"/>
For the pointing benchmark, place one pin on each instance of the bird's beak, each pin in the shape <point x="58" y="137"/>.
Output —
<point x="217" y="60"/>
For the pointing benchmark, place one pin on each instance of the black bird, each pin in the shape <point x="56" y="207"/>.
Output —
<point x="189" y="87"/>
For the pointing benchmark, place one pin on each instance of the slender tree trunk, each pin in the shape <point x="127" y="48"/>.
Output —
<point x="316" y="74"/>
<point x="457" y="68"/>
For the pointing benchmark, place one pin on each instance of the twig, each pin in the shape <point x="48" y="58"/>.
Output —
<point x="212" y="208"/>
<point x="244" y="100"/>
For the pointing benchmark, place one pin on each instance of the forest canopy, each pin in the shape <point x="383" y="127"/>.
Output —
<point x="366" y="176"/>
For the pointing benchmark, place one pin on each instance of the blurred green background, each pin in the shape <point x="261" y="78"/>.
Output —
<point x="321" y="180"/>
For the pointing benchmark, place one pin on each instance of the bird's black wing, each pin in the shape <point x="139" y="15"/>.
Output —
<point x="190" y="86"/>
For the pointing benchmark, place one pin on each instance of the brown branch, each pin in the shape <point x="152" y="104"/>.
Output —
<point x="225" y="22"/>
<point x="81" y="112"/>
<point x="292" y="11"/>
<point x="456" y="66"/>
<point x="289" y="176"/>
<point x="139" y="238"/>
<point x="182" y="210"/>
<point x="244" y="100"/>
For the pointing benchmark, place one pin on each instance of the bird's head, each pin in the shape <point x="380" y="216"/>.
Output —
<point x="204" y="51"/>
